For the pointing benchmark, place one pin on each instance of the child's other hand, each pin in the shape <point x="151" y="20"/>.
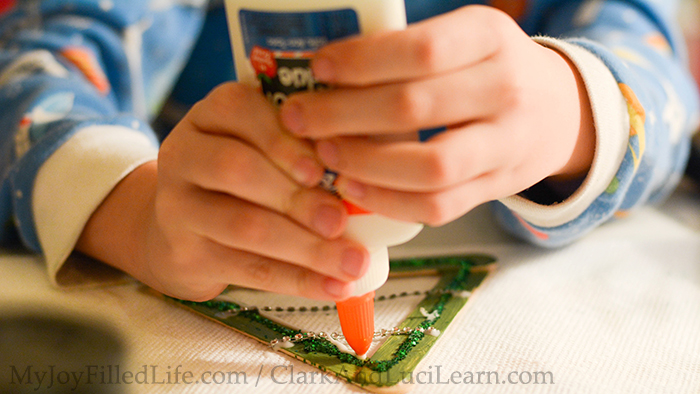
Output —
<point x="516" y="113"/>
<point x="234" y="204"/>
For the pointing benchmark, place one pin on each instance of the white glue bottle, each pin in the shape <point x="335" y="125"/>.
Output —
<point x="273" y="43"/>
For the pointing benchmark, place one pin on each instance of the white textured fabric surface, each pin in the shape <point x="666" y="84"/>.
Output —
<point x="617" y="312"/>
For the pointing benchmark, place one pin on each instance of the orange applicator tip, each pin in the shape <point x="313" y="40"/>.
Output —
<point x="356" y="316"/>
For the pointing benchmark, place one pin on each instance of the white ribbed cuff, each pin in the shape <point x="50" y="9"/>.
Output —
<point x="612" y="125"/>
<point x="75" y="180"/>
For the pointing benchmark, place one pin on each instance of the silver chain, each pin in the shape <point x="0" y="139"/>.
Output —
<point x="383" y="333"/>
<point x="326" y="308"/>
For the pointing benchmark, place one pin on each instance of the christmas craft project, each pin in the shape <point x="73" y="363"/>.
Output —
<point x="438" y="288"/>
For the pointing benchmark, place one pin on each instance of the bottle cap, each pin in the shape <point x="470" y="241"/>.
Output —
<point x="356" y="316"/>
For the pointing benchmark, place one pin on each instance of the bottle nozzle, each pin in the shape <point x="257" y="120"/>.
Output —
<point x="356" y="316"/>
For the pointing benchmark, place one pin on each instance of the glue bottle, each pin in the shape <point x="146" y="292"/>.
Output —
<point x="273" y="43"/>
<point x="377" y="233"/>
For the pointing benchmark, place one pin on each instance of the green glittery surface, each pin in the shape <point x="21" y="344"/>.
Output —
<point x="399" y="354"/>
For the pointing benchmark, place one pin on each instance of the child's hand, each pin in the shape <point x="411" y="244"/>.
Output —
<point x="516" y="113"/>
<point x="234" y="204"/>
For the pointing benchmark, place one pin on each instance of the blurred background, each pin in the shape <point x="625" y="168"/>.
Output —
<point x="689" y="18"/>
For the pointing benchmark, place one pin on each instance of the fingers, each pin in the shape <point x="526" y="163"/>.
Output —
<point x="436" y="181"/>
<point x="430" y="47"/>
<point x="472" y="93"/>
<point x="433" y="208"/>
<point x="238" y="111"/>
<point x="444" y="71"/>
<point x="241" y="225"/>
<point x="205" y="275"/>
<point x="231" y="167"/>
<point x="448" y="159"/>
<point x="254" y="271"/>
<point x="233" y="204"/>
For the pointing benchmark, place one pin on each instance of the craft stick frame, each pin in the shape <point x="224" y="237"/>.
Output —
<point x="390" y="367"/>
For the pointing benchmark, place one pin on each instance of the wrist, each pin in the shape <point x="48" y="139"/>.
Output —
<point x="611" y="124"/>
<point x="582" y="155"/>
<point x="115" y="232"/>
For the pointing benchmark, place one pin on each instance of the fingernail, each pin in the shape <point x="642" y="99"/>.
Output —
<point x="353" y="262"/>
<point x="328" y="152"/>
<point x="327" y="220"/>
<point x="351" y="189"/>
<point x="336" y="288"/>
<point x="307" y="171"/>
<point x="323" y="70"/>
<point x="292" y="118"/>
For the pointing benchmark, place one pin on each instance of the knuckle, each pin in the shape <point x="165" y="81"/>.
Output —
<point x="429" y="52"/>
<point x="280" y="147"/>
<point x="259" y="272"/>
<point x="197" y="111"/>
<point x="316" y="256"/>
<point x="181" y="263"/>
<point x="185" y="277"/>
<point x="302" y="283"/>
<point x="296" y="203"/>
<point x="167" y="156"/>
<point x="251" y="228"/>
<point x="500" y="24"/>
<point x="510" y="89"/>
<point x="172" y="157"/>
<point x="220" y="99"/>
<point x="185" y="266"/>
<point x="439" y="171"/>
<point x="172" y="211"/>
<point x="436" y="211"/>
<point x="276" y="145"/>
<point x="232" y="168"/>
<point x="230" y="89"/>
<point x="240" y="168"/>
<point x="412" y="106"/>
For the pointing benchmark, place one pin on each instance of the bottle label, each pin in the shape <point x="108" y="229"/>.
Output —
<point x="280" y="45"/>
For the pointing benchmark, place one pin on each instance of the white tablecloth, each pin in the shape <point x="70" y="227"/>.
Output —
<point x="616" y="312"/>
